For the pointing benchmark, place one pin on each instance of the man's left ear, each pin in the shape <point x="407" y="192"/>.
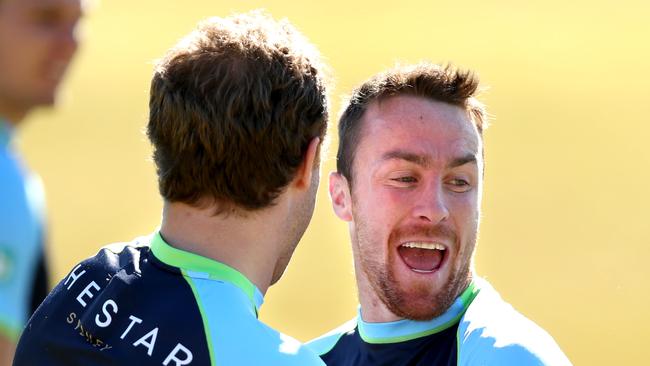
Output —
<point x="302" y="180"/>
<point x="340" y="196"/>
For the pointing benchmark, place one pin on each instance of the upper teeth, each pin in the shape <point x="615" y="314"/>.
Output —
<point x="435" y="246"/>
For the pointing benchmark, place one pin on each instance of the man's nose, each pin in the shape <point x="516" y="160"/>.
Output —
<point x="431" y="206"/>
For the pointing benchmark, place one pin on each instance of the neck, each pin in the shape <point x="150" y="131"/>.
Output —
<point x="250" y="243"/>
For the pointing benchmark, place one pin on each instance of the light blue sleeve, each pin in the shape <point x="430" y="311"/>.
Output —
<point x="479" y="348"/>
<point x="237" y="337"/>
<point x="21" y="230"/>
<point x="493" y="333"/>
<point x="327" y="341"/>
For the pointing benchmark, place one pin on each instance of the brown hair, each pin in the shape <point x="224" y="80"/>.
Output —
<point x="440" y="83"/>
<point x="233" y="107"/>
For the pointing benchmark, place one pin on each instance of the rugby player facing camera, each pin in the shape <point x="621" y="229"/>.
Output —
<point x="409" y="182"/>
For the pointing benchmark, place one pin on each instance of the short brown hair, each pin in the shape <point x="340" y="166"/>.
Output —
<point x="440" y="83"/>
<point x="233" y="107"/>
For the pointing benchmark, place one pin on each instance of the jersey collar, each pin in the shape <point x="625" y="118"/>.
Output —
<point x="214" y="270"/>
<point x="405" y="330"/>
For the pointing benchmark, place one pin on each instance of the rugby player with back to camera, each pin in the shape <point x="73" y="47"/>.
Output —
<point x="409" y="184"/>
<point x="237" y="113"/>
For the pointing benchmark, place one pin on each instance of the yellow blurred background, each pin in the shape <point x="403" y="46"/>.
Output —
<point x="565" y="235"/>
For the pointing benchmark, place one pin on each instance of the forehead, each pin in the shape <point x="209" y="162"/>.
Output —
<point x="437" y="130"/>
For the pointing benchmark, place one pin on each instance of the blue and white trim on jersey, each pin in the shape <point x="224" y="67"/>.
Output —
<point x="487" y="331"/>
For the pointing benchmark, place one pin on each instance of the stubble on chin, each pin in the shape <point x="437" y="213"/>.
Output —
<point x="413" y="301"/>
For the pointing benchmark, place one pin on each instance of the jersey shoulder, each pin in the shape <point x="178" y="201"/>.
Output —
<point x="111" y="259"/>
<point x="291" y="351"/>
<point x="234" y="331"/>
<point x="325" y="343"/>
<point x="492" y="332"/>
<point x="121" y="306"/>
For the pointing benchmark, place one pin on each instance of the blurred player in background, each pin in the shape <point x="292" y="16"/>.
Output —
<point x="409" y="183"/>
<point x="37" y="43"/>
<point x="237" y="113"/>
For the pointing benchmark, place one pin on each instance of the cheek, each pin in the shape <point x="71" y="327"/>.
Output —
<point x="25" y="53"/>
<point x="397" y="201"/>
<point x="378" y="209"/>
<point x="465" y="212"/>
<point x="371" y="225"/>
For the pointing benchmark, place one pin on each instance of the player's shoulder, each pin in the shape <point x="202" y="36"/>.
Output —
<point x="12" y="171"/>
<point x="126" y="257"/>
<point x="272" y="347"/>
<point x="492" y="332"/>
<point x="326" y="342"/>
<point x="292" y="351"/>
<point x="20" y="189"/>
<point x="233" y="330"/>
<point x="119" y="255"/>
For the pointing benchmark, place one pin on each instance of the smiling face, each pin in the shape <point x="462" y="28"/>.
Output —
<point x="37" y="42"/>
<point x="413" y="208"/>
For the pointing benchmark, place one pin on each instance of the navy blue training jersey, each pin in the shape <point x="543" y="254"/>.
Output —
<point x="147" y="303"/>
<point x="478" y="329"/>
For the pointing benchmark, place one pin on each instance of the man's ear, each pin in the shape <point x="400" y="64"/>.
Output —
<point x="302" y="180"/>
<point x="340" y="196"/>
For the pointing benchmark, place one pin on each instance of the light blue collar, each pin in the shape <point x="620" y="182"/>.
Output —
<point x="202" y="267"/>
<point x="405" y="329"/>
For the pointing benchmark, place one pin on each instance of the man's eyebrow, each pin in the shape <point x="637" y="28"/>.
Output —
<point x="469" y="158"/>
<point x="424" y="160"/>
<point x="404" y="155"/>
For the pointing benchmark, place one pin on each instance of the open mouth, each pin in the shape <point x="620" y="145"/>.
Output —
<point x="422" y="257"/>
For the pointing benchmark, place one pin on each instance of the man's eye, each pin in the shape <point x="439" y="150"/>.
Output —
<point x="405" y="179"/>
<point x="459" y="185"/>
